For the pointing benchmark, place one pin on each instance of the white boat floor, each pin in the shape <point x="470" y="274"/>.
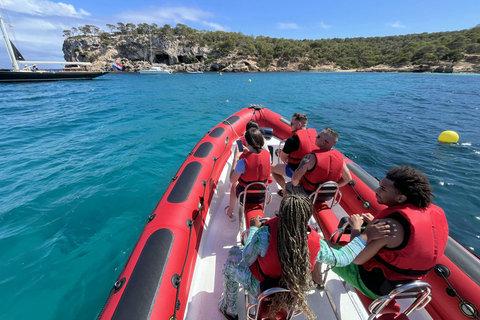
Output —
<point x="219" y="235"/>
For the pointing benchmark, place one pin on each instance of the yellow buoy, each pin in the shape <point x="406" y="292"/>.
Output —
<point x="249" y="80"/>
<point x="220" y="73"/>
<point x="448" y="137"/>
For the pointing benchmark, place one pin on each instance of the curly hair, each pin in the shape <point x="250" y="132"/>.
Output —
<point x="413" y="184"/>
<point x="293" y="254"/>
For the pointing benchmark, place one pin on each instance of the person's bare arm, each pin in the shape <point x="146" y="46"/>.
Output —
<point x="283" y="156"/>
<point x="346" y="176"/>
<point x="394" y="239"/>
<point x="355" y="221"/>
<point x="234" y="177"/>
<point x="307" y="163"/>
<point x="236" y="157"/>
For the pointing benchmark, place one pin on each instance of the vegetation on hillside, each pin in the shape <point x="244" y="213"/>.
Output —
<point x="423" y="48"/>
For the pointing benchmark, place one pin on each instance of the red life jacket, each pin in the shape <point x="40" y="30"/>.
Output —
<point x="257" y="167"/>
<point x="306" y="138"/>
<point x="328" y="167"/>
<point x="269" y="265"/>
<point x="427" y="242"/>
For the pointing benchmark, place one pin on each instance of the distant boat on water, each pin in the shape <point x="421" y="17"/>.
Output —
<point x="156" y="68"/>
<point x="30" y="71"/>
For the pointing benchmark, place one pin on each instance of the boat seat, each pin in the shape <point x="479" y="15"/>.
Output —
<point x="266" y="132"/>
<point x="257" y="198"/>
<point x="259" y="308"/>
<point x="327" y="191"/>
<point x="386" y="307"/>
<point x="343" y="229"/>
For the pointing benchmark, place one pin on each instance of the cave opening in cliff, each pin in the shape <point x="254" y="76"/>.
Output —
<point x="182" y="59"/>
<point x="162" y="58"/>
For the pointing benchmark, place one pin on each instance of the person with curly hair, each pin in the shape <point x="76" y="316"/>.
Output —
<point x="283" y="252"/>
<point x="419" y="235"/>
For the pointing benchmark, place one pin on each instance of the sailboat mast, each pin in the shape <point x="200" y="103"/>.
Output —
<point x="8" y="45"/>
<point x="151" y="52"/>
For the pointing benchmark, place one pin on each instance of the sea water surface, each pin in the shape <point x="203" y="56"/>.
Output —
<point x="83" y="163"/>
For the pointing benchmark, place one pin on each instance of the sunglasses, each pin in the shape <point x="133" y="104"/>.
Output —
<point x="320" y="137"/>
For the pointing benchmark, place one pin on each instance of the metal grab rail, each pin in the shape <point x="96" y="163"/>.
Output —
<point x="244" y="194"/>
<point x="266" y="296"/>
<point x="418" y="290"/>
<point x="327" y="191"/>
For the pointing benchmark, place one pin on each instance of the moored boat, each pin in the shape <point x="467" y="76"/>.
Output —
<point x="156" y="70"/>
<point x="156" y="67"/>
<point x="174" y="271"/>
<point x="30" y="71"/>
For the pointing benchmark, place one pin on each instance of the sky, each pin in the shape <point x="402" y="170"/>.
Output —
<point x="38" y="24"/>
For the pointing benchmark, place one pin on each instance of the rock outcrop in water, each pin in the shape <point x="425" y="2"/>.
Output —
<point x="133" y="52"/>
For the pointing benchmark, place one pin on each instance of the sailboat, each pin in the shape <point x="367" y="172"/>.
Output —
<point x="156" y="68"/>
<point x="30" y="71"/>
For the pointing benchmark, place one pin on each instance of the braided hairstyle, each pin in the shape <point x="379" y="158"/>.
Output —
<point x="293" y="254"/>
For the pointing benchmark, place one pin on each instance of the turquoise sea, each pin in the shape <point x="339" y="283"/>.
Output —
<point x="83" y="163"/>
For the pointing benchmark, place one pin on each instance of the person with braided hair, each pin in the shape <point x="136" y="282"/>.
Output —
<point x="283" y="252"/>
<point x="252" y="166"/>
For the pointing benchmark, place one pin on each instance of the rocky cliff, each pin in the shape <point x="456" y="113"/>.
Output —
<point x="134" y="53"/>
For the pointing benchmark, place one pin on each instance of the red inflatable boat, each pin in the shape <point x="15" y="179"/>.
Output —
<point x="174" y="271"/>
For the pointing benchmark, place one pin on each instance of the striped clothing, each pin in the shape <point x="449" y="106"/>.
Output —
<point x="236" y="272"/>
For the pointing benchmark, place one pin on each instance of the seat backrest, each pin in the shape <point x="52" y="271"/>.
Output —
<point x="260" y="308"/>
<point x="327" y="191"/>
<point x="417" y="290"/>
<point x="254" y="193"/>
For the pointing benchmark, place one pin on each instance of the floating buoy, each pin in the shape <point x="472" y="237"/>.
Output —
<point x="448" y="137"/>
<point x="220" y="73"/>
<point x="249" y="80"/>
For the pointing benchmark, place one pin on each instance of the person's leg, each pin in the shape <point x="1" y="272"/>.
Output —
<point x="278" y="172"/>
<point x="351" y="275"/>
<point x="317" y="274"/>
<point x="233" y="199"/>
<point x="235" y="272"/>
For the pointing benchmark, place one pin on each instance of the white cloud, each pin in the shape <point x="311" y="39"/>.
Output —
<point x="44" y="8"/>
<point x="396" y="24"/>
<point x="173" y="15"/>
<point x="215" y="26"/>
<point x="282" y="25"/>
<point x="324" y="26"/>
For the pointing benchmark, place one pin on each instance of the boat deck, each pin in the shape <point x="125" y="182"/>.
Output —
<point x="338" y="301"/>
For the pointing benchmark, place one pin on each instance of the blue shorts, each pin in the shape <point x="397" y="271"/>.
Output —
<point x="288" y="171"/>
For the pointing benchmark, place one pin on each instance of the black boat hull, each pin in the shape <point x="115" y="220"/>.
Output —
<point x="34" y="76"/>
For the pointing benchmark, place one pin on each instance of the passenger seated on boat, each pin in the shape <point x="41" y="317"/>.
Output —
<point x="301" y="143"/>
<point x="253" y="166"/>
<point x="250" y="124"/>
<point x="322" y="165"/>
<point x="259" y="259"/>
<point x="419" y="236"/>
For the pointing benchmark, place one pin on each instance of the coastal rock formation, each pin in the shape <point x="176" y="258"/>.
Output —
<point x="180" y="55"/>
